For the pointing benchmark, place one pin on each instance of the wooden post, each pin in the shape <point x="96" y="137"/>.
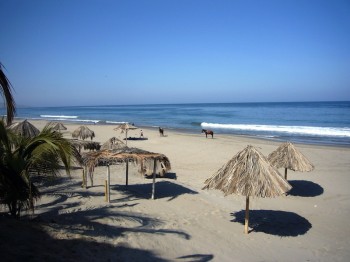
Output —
<point x="85" y="177"/>
<point x="108" y="184"/>
<point x="84" y="180"/>
<point x="285" y="173"/>
<point x="91" y="175"/>
<point x="246" y="221"/>
<point x="154" y="177"/>
<point x="106" y="198"/>
<point x="127" y="173"/>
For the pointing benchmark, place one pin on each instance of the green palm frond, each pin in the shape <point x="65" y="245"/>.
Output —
<point x="5" y="91"/>
<point x="24" y="158"/>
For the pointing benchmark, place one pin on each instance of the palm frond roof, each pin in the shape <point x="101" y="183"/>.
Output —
<point x="248" y="173"/>
<point x="287" y="156"/>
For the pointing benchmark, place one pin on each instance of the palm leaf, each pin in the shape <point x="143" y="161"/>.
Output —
<point x="23" y="158"/>
<point x="5" y="90"/>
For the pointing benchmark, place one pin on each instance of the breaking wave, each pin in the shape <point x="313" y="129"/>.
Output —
<point x="59" y="117"/>
<point x="300" y="130"/>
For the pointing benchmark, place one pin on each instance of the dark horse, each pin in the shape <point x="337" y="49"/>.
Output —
<point x="208" y="132"/>
<point x="161" y="131"/>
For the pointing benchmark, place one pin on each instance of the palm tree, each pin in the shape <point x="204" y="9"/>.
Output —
<point x="23" y="158"/>
<point x="5" y="91"/>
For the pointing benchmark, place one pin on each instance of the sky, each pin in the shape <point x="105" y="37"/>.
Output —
<point x="104" y="52"/>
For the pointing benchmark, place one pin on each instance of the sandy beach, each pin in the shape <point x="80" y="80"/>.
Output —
<point x="184" y="222"/>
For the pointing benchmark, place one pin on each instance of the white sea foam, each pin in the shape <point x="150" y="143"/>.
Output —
<point x="87" y="121"/>
<point x="59" y="117"/>
<point x="115" y="122"/>
<point x="301" y="130"/>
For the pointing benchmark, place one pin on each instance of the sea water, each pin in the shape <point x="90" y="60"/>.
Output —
<point x="307" y="122"/>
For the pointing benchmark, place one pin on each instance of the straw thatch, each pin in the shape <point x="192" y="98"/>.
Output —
<point x="57" y="126"/>
<point x="149" y="163"/>
<point x="87" y="145"/>
<point x="248" y="173"/>
<point x="83" y="132"/>
<point x="125" y="128"/>
<point x="25" y="129"/>
<point x="288" y="157"/>
<point x="142" y="157"/>
<point x="113" y="143"/>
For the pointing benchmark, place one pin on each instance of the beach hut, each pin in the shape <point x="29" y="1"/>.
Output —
<point x="57" y="126"/>
<point x="248" y="173"/>
<point x="83" y="132"/>
<point x="113" y="143"/>
<point x="149" y="163"/>
<point x="25" y="129"/>
<point x="288" y="157"/>
<point x="125" y="128"/>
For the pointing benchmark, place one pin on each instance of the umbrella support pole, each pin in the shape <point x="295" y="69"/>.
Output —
<point x="107" y="186"/>
<point x="154" y="177"/>
<point x="84" y="179"/>
<point x="246" y="220"/>
<point x="127" y="173"/>
<point x="285" y="173"/>
<point x="106" y="198"/>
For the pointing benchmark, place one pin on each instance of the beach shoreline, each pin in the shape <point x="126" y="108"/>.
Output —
<point x="302" y="122"/>
<point x="186" y="223"/>
<point x="42" y="122"/>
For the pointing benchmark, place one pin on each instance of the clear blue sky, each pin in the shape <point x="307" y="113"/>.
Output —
<point x="70" y="52"/>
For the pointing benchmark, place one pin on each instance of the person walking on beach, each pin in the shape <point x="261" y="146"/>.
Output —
<point x="141" y="134"/>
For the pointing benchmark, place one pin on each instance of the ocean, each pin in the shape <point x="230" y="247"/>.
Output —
<point x="305" y="122"/>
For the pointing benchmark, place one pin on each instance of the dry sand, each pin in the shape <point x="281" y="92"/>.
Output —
<point x="186" y="223"/>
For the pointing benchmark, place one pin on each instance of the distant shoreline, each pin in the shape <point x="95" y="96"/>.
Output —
<point x="197" y="103"/>
<point x="312" y="123"/>
<point x="43" y="122"/>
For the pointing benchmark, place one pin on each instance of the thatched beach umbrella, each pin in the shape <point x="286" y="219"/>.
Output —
<point x="125" y="128"/>
<point x="25" y="129"/>
<point x="148" y="162"/>
<point x="87" y="145"/>
<point x="57" y="126"/>
<point x="288" y="157"/>
<point x="83" y="132"/>
<point x="248" y="173"/>
<point x="113" y="143"/>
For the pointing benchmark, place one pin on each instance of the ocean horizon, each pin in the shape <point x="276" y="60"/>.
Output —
<point x="325" y="123"/>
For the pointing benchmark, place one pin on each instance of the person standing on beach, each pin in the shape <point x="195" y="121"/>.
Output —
<point x="141" y="134"/>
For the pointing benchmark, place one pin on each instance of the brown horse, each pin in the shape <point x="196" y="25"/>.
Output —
<point x="161" y="131"/>
<point x="208" y="132"/>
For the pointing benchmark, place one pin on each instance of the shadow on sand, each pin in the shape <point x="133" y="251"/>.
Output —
<point x="78" y="228"/>
<point x="136" y="138"/>
<point x="305" y="188"/>
<point x="86" y="222"/>
<point x="33" y="243"/>
<point x="163" y="189"/>
<point x="168" y="175"/>
<point x="279" y="223"/>
<point x="197" y="258"/>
